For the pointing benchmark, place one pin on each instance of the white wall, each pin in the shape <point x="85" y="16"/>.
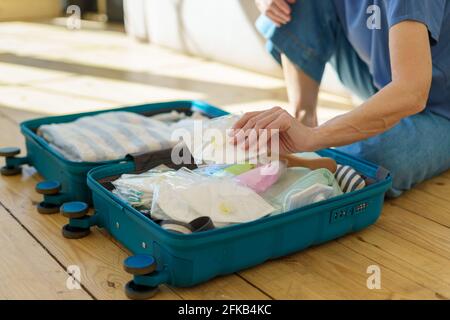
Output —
<point x="220" y="30"/>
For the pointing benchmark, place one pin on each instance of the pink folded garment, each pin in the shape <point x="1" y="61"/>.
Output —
<point x="261" y="178"/>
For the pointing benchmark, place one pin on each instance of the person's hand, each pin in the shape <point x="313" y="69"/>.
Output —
<point x="293" y="136"/>
<point x="278" y="11"/>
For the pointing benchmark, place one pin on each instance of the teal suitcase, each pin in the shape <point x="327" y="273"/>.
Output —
<point x="163" y="257"/>
<point x="66" y="180"/>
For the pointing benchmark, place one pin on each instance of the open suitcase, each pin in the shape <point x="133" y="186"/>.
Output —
<point x="160" y="256"/>
<point x="163" y="257"/>
<point x="66" y="180"/>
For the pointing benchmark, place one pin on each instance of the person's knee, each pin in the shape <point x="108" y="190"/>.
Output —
<point x="382" y="152"/>
<point x="414" y="150"/>
<point x="308" y="40"/>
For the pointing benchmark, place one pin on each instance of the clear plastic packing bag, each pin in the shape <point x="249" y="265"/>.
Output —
<point x="186" y="196"/>
<point x="302" y="197"/>
<point x="211" y="170"/>
<point x="288" y="190"/>
<point x="137" y="189"/>
<point x="224" y="170"/>
<point x="210" y="143"/>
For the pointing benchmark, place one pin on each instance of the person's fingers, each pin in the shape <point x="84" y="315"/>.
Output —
<point x="259" y="123"/>
<point x="252" y="123"/>
<point x="259" y="127"/>
<point x="284" y="6"/>
<point x="282" y="123"/>
<point x="264" y="119"/>
<point x="241" y="123"/>
<point x="259" y="138"/>
<point x="279" y="122"/>
<point x="251" y="128"/>
<point x="279" y="14"/>
<point x="274" y="18"/>
<point x="239" y="130"/>
<point x="291" y="1"/>
<point x="243" y="120"/>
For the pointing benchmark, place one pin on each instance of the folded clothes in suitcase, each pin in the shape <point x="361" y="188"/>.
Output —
<point x="61" y="163"/>
<point x="162" y="256"/>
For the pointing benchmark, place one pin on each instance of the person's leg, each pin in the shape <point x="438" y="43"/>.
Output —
<point x="418" y="148"/>
<point x="302" y="92"/>
<point x="303" y="47"/>
<point x="314" y="37"/>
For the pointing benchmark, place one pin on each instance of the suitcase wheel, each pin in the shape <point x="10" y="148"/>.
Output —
<point x="74" y="210"/>
<point x="8" y="152"/>
<point x="48" y="187"/>
<point x="10" y="171"/>
<point x="139" y="265"/>
<point x="70" y="232"/>
<point x="139" y="292"/>
<point x="12" y="167"/>
<point x="47" y="208"/>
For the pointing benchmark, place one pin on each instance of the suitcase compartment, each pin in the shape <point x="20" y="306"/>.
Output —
<point x="66" y="180"/>
<point x="186" y="260"/>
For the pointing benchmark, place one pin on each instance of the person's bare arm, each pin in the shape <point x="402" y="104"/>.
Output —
<point x="406" y="95"/>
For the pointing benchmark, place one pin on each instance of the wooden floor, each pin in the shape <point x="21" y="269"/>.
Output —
<point x="48" y="70"/>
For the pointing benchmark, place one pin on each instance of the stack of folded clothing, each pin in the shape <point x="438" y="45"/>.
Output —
<point x="113" y="135"/>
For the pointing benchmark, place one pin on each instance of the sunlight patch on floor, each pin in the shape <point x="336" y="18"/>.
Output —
<point x="49" y="69"/>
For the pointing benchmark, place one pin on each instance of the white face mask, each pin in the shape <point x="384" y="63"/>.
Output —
<point x="222" y="199"/>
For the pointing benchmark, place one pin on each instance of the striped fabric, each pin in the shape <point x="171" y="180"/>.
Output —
<point x="348" y="179"/>
<point x="109" y="136"/>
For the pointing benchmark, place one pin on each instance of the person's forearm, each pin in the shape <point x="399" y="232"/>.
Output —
<point x="380" y="113"/>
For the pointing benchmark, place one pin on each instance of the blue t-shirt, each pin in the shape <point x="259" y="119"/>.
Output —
<point x="366" y="24"/>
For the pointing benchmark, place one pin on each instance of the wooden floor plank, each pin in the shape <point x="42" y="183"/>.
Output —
<point x="438" y="186"/>
<point x="18" y="115"/>
<point x="446" y="174"/>
<point x="27" y="271"/>
<point x="331" y="271"/>
<point x="413" y="262"/>
<point x="416" y="229"/>
<point x="425" y="204"/>
<point x="99" y="258"/>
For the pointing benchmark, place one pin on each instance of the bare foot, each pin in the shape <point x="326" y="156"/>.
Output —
<point x="308" y="118"/>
